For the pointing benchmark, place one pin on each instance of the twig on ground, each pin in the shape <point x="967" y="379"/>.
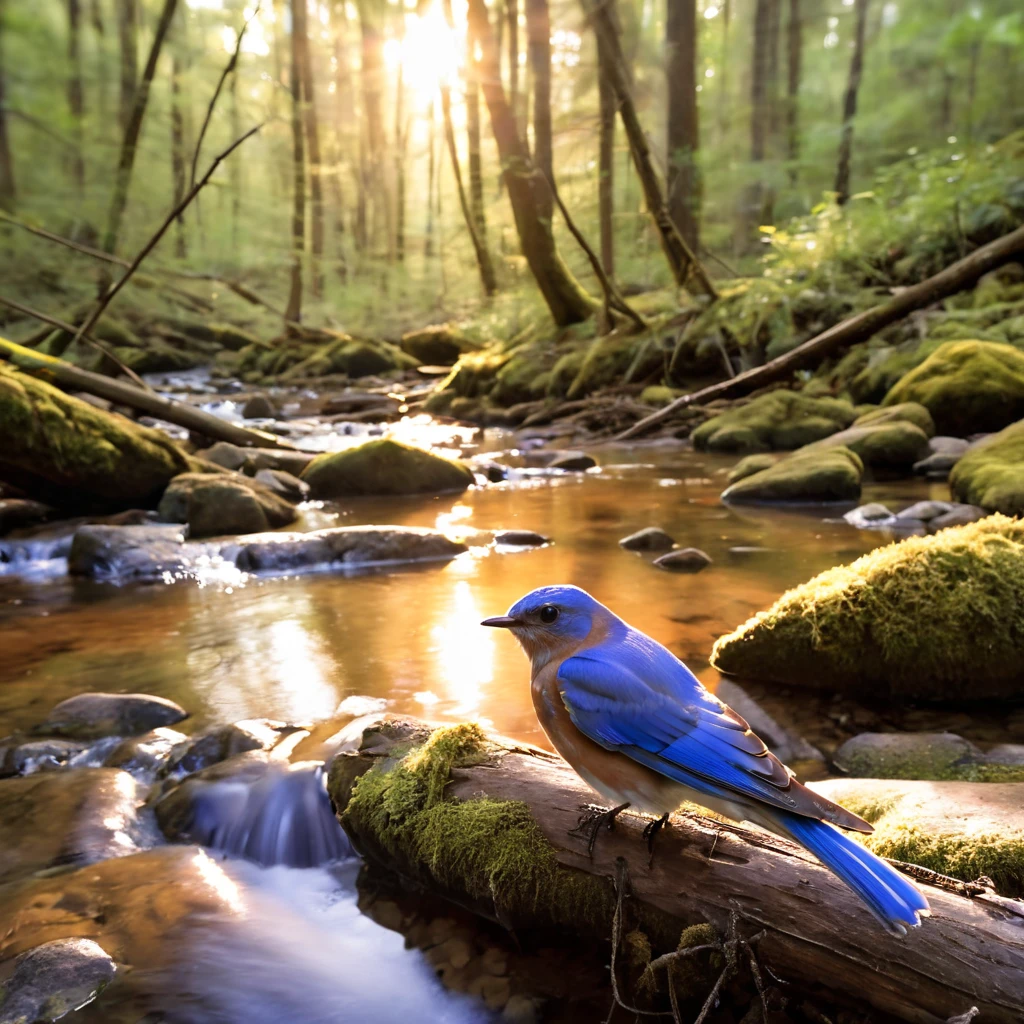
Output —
<point x="67" y="242"/>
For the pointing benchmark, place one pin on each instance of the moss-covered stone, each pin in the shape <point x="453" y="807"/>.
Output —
<point x="437" y="345"/>
<point x="616" y="358"/>
<point x="992" y="473"/>
<point x="384" y="467"/>
<point x="896" y="445"/>
<point x="69" y="452"/>
<point x="215" y="505"/>
<point x="751" y="464"/>
<point x="931" y="618"/>
<point x="962" y="829"/>
<point x="223" y="335"/>
<point x="968" y="387"/>
<point x="779" y="420"/>
<point x="909" y="412"/>
<point x="658" y="394"/>
<point x="806" y="476"/>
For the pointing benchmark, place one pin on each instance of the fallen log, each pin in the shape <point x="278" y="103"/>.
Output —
<point x="56" y="371"/>
<point x="488" y="823"/>
<point x="854" y="329"/>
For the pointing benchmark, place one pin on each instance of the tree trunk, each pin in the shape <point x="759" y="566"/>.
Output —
<point x="235" y="169"/>
<point x="300" y="33"/>
<point x="344" y="118"/>
<point x="8" y="191"/>
<point x="815" y="937"/>
<point x="854" y="329"/>
<point x="538" y="41"/>
<point x="723" y="73"/>
<point x="373" y="113"/>
<point x="512" y="7"/>
<point x="606" y="163"/>
<point x="76" y="94"/>
<point x="771" y="76"/>
<point x="101" y="66"/>
<point x="428" y="230"/>
<point x="684" y="186"/>
<point x="842" y="186"/>
<point x="476" y="178"/>
<point x="564" y="295"/>
<point x="687" y="270"/>
<point x="127" y="28"/>
<point x="293" y="311"/>
<point x="178" y="159"/>
<point x="794" y="60"/>
<point x="130" y="142"/>
<point x="753" y="195"/>
<point x="400" y="146"/>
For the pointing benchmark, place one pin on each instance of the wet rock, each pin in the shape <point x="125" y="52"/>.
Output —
<point x="17" y="758"/>
<point x="904" y="412"/>
<point x="494" y="471"/>
<point x="145" y="754"/>
<point x="958" y="515"/>
<point x="252" y="460"/>
<point x="52" y="818"/>
<point x="438" y="345"/>
<point x="962" y="829"/>
<point x="684" y="560"/>
<point x="384" y="467"/>
<point x="575" y="462"/>
<point x="751" y="464"/>
<point x="359" y="403"/>
<point x="226" y="741"/>
<point x="896" y="445"/>
<point x="944" y="454"/>
<point x="908" y="755"/>
<point x="94" y="715"/>
<point x="289" y="487"/>
<point x="259" y="407"/>
<point x="969" y="387"/>
<point x="924" y="511"/>
<point x="991" y="474"/>
<point x="867" y="516"/>
<point x="133" y="552"/>
<point x="216" y="505"/>
<point x="230" y="456"/>
<point x="651" y="538"/>
<point x="19" y="512"/>
<point x="806" y="476"/>
<point x="520" y="538"/>
<point x="930" y="618"/>
<point x="54" y="979"/>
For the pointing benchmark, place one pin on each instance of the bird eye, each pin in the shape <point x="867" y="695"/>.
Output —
<point x="548" y="614"/>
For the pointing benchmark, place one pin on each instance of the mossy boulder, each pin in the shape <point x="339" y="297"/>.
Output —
<point x="962" y="829"/>
<point x="992" y="473"/>
<point x="896" y="445"/>
<point x="807" y="477"/>
<point x="751" y="464"/>
<point x="779" y="420"/>
<point x="969" y="387"/>
<point x="928" y="618"/>
<point x="216" y="505"/>
<point x="384" y="467"/>
<point x="437" y="345"/>
<point x="616" y="358"/>
<point x="658" y="394"/>
<point x="905" y="412"/>
<point x="70" y="453"/>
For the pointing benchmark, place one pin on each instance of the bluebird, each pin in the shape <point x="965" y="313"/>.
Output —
<point x="639" y="728"/>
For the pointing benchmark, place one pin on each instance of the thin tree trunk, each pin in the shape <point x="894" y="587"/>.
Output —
<point x="538" y="40"/>
<point x="304" y="65"/>
<point x="606" y="164"/>
<point x="794" y="60"/>
<point x="687" y="270"/>
<point x="127" y="27"/>
<point x="428" y="231"/>
<point x="178" y="159"/>
<point x="76" y="94"/>
<point x="772" y="68"/>
<point x="235" y="169"/>
<point x="753" y="195"/>
<point x="400" y="146"/>
<point x="476" y="178"/>
<point x="512" y="7"/>
<point x="972" y="86"/>
<point x="842" y="186"/>
<point x="126" y="161"/>
<point x="373" y="84"/>
<point x="101" y="66"/>
<point x="684" y="186"/>
<point x="723" y="72"/>
<point x="8" y="191"/>
<point x="344" y="118"/>
<point x="293" y="311"/>
<point x="565" y="297"/>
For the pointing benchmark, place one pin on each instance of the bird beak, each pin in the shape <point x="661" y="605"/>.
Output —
<point x="504" y="621"/>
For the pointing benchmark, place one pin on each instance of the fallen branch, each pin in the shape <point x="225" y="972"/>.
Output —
<point x="815" y="931"/>
<point x="56" y="371"/>
<point x="854" y="329"/>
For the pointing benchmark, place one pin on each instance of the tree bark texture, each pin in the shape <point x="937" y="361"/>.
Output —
<point x="842" y="185"/>
<point x="538" y="41"/>
<point x="76" y="93"/>
<point x="300" y="28"/>
<point x="512" y="10"/>
<point x="401" y="142"/>
<point x="772" y="68"/>
<point x="794" y="61"/>
<point x="684" y="186"/>
<point x="373" y="113"/>
<point x="178" y="160"/>
<point x="128" y="31"/>
<point x="606" y="163"/>
<point x="476" y="177"/>
<point x="8" y="189"/>
<point x="293" y="311"/>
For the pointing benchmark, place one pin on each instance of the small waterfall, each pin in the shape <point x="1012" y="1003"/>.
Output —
<point x="282" y="817"/>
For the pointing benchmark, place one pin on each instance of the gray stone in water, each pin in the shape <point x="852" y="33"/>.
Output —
<point x="872" y="514"/>
<point x="94" y="715"/>
<point x="573" y="461"/>
<point x="37" y="755"/>
<point x="945" y="445"/>
<point x="125" y="552"/>
<point x="144" y="755"/>
<point x="55" y="979"/>
<point x="875" y="755"/>
<point x="259" y="407"/>
<point x="215" y="505"/>
<point x="520" y="538"/>
<point x="224" y="742"/>
<point x="924" y="511"/>
<point x="289" y="487"/>
<point x="686" y="560"/>
<point x="225" y="454"/>
<point x="251" y="460"/>
<point x="18" y="512"/>
<point x="958" y="515"/>
<point x="651" y="538"/>
<point x="936" y="467"/>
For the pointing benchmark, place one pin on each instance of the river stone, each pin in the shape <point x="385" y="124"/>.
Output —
<point x="869" y="516"/>
<point x="215" y="505"/>
<point x="93" y="715"/>
<point x="806" y="476"/>
<point x="223" y="742"/>
<point x="127" y="552"/>
<point x="384" y="466"/>
<point x="225" y="454"/>
<point x="437" y="345"/>
<point x="684" y="560"/>
<point x="958" y="515"/>
<point x="252" y="460"/>
<point x="907" y="755"/>
<point x="991" y="474"/>
<point x="18" y="512"/>
<point x="36" y="755"/>
<point x="905" y="412"/>
<point x="930" y="618"/>
<point x="963" y="829"/>
<point x="651" y="538"/>
<point x="54" y="979"/>
<point x="259" y="407"/>
<point x="573" y="462"/>
<point x="896" y="445"/>
<point x="520" y="538"/>
<point x="289" y="487"/>
<point x="925" y="511"/>
<point x="751" y="464"/>
<point x="80" y="816"/>
<point x="145" y="754"/>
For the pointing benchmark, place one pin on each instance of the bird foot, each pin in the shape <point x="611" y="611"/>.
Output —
<point x="591" y="821"/>
<point x="651" y="830"/>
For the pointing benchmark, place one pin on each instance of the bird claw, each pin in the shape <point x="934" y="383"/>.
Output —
<point x="651" y="830"/>
<point x="591" y="820"/>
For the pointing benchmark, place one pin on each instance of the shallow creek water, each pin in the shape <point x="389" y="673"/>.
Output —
<point x="293" y="648"/>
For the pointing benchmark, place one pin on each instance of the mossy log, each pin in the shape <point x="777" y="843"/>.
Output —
<point x="488" y="824"/>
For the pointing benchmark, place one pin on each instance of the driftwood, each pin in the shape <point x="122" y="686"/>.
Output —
<point x="56" y="371"/>
<point x="816" y="934"/>
<point x="854" y="329"/>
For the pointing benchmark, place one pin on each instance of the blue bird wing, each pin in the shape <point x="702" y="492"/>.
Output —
<point x="647" y="705"/>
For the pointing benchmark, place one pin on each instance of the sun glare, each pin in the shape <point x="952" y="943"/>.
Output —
<point x="430" y="54"/>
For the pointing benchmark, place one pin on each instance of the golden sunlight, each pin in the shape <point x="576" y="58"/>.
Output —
<point x="429" y="54"/>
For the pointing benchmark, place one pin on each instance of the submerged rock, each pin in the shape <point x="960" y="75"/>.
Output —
<point x="94" y="715"/>
<point x="651" y="538"/>
<point x="225" y="741"/>
<point x="133" y="552"/>
<point x="520" y="538"/>
<point x="259" y="407"/>
<point x="779" y="420"/>
<point x="384" y="467"/>
<point x="218" y="505"/>
<point x="929" y="618"/>
<point x="992" y="473"/>
<point x="969" y="387"/>
<point x="806" y="476"/>
<point x="289" y="487"/>
<point x="574" y="462"/>
<point x="52" y="980"/>
<point x="685" y="560"/>
<point x="145" y="754"/>
<point x="963" y="829"/>
<point x="18" y="512"/>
